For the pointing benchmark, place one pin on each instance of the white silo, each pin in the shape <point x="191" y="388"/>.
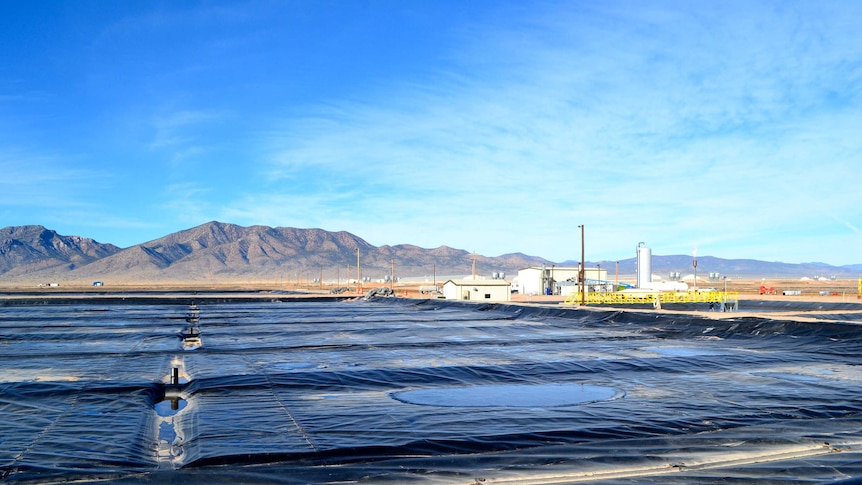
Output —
<point x="644" y="270"/>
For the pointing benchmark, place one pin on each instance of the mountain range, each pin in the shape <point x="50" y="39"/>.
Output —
<point x="220" y="252"/>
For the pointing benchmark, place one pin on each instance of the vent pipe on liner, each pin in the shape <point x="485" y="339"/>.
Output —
<point x="644" y="269"/>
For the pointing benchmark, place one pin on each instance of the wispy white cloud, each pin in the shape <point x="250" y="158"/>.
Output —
<point x="726" y="126"/>
<point x="188" y="203"/>
<point x="678" y="126"/>
<point x="182" y="133"/>
<point x="49" y="190"/>
<point x="32" y="179"/>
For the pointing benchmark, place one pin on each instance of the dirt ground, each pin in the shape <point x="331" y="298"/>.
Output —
<point x="837" y="291"/>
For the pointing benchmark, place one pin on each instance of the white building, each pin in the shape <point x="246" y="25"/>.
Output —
<point x="477" y="290"/>
<point x="538" y="280"/>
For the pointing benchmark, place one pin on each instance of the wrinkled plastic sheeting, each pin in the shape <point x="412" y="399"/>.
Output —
<point x="300" y="392"/>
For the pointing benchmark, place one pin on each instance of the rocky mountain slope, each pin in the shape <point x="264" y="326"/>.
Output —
<point x="28" y="249"/>
<point x="219" y="251"/>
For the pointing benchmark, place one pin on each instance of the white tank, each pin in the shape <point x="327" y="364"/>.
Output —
<point x="644" y="270"/>
<point x="665" y="286"/>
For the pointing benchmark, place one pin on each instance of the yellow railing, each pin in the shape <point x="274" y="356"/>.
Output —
<point x="650" y="297"/>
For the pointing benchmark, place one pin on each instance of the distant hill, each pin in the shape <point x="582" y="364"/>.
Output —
<point x="29" y="249"/>
<point x="228" y="252"/>
<point x="223" y="252"/>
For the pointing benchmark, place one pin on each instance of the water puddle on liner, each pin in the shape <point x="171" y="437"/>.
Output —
<point x="291" y="366"/>
<point x="685" y="351"/>
<point x="789" y="377"/>
<point x="168" y="436"/>
<point x="170" y="407"/>
<point x="510" y="395"/>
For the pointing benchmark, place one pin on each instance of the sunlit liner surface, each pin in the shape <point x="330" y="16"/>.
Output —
<point x="511" y="395"/>
<point x="405" y="391"/>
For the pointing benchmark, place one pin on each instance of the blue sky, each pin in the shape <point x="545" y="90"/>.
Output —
<point x="491" y="126"/>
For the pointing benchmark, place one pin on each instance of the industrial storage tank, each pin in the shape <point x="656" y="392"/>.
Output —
<point x="644" y="269"/>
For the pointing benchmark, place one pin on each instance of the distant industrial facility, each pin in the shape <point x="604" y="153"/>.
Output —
<point x="646" y="290"/>
<point x="596" y="287"/>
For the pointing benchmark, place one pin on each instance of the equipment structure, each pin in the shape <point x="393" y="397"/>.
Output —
<point x="725" y="301"/>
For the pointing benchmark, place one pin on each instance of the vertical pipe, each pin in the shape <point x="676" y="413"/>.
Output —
<point x="474" y="265"/>
<point x="543" y="283"/>
<point x="175" y="376"/>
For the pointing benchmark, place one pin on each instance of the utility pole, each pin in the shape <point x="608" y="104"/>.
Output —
<point x="358" y="272"/>
<point x="392" y="276"/>
<point x="694" y="263"/>
<point x="583" y="268"/>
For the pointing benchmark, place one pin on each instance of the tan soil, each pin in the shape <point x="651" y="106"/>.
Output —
<point x="838" y="291"/>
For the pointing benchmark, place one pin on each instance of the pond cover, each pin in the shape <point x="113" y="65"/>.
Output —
<point x="423" y="391"/>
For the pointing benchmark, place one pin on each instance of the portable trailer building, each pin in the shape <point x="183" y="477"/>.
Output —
<point x="477" y="290"/>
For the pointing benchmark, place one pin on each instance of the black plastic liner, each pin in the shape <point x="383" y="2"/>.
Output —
<point x="316" y="392"/>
